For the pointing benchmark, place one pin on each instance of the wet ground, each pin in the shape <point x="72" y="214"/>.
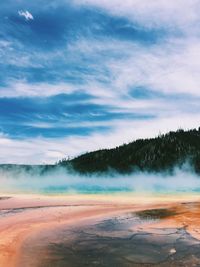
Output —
<point x="119" y="241"/>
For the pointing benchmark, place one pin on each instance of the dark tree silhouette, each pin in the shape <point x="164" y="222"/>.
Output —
<point x="158" y="154"/>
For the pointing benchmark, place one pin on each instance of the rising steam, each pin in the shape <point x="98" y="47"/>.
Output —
<point x="62" y="181"/>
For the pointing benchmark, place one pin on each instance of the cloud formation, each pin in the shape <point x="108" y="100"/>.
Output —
<point x="150" y="13"/>
<point x="26" y="14"/>
<point x="73" y="78"/>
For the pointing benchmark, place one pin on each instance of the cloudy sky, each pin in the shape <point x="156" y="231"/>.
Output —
<point x="79" y="75"/>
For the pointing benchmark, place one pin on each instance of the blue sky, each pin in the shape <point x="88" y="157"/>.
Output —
<point x="81" y="75"/>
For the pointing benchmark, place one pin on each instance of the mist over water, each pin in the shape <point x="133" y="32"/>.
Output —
<point x="61" y="181"/>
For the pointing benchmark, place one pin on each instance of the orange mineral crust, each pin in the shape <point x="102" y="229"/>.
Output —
<point x="24" y="218"/>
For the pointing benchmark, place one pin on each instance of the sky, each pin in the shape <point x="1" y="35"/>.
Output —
<point x="81" y="75"/>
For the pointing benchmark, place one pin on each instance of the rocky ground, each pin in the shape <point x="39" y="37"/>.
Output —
<point x="117" y="241"/>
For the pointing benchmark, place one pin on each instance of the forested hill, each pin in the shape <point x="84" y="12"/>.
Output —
<point x="162" y="153"/>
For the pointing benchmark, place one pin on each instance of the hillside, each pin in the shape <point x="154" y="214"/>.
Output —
<point x="158" y="154"/>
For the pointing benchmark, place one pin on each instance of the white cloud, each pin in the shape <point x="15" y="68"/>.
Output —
<point x="171" y="66"/>
<point x="26" y="14"/>
<point x="151" y="13"/>
<point x="24" y="89"/>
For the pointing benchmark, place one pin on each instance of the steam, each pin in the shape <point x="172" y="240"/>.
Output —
<point x="61" y="181"/>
